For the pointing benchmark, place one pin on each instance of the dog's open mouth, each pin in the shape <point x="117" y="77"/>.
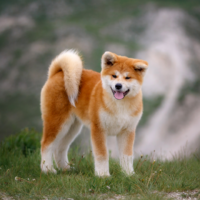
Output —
<point x="119" y="95"/>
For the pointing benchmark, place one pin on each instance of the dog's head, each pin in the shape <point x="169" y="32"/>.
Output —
<point x="122" y="76"/>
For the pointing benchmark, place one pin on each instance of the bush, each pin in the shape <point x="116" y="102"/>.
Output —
<point x="27" y="141"/>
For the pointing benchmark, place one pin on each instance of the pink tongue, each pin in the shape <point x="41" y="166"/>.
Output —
<point x="119" y="95"/>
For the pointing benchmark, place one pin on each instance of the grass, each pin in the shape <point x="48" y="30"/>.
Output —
<point x="20" y="175"/>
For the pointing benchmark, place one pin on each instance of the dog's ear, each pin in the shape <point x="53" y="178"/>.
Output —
<point x="141" y="67"/>
<point x="108" y="59"/>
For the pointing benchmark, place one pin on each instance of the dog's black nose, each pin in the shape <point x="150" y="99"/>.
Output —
<point x="118" y="86"/>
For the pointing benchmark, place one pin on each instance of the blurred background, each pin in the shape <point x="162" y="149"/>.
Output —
<point x="164" y="33"/>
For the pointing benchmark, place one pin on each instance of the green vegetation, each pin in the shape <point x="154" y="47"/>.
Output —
<point x="149" y="106"/>
<point x="185" y="4"/>
<point x="20" y="175"/>
<point x="16" y="112"/>
<point x="98" y="24"/>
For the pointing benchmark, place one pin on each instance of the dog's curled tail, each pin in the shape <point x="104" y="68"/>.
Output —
<point x="71" y="64"/>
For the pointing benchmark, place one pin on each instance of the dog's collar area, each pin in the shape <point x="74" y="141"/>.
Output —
<point x="118" y="94"/>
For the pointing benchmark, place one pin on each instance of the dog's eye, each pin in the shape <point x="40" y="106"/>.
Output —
<point x="127" y="77"/>
<point x="114" y="76"/>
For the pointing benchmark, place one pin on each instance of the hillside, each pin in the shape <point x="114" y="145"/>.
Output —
<point x="166" y="34"/>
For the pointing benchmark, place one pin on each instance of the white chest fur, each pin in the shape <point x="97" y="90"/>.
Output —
<point x="121" y="120"/>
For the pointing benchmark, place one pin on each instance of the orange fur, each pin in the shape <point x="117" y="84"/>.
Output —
<point x="54" y="106"/>
<point x="129" y="147"/>
<point x="73" y="92"/>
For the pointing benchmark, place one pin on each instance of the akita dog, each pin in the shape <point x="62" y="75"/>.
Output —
<point x="110" y="103"/>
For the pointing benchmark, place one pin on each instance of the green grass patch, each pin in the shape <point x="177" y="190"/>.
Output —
<point x="21" y="178"/>
<point x="16" y="112"/>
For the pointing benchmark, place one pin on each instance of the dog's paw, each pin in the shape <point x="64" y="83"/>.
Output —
<point x="48" y="169"/>
<point x="101" y="173"/>
<point x="128" y="170"/>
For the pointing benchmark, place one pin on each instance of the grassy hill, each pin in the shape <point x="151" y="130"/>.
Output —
<point x="20" y="176"/>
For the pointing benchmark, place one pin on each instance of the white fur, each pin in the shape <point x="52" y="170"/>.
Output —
<point x="134" y="86"/>
<point x="125" y="74"/>
<point x="141" y="65"/>
<point x="61" y="152"/>
<point x="126" y="161"/>
<point x="59" y="147"/>
<point x="102" y="167"/>
<point x="107" y="56"/>
<point x="117" y="73"/>
<point x="72" y="98"/>
<point x="71" y="64"/>
<point x="114" y="124"/>
<point x="46" y="161"/>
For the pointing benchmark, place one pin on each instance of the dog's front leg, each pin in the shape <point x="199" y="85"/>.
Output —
<point x="98" y="138"/>
<point x="125" y="144"/>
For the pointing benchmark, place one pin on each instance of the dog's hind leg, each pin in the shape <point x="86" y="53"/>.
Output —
<point x="61" y="152"/>
<point x="50" y="142"/>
